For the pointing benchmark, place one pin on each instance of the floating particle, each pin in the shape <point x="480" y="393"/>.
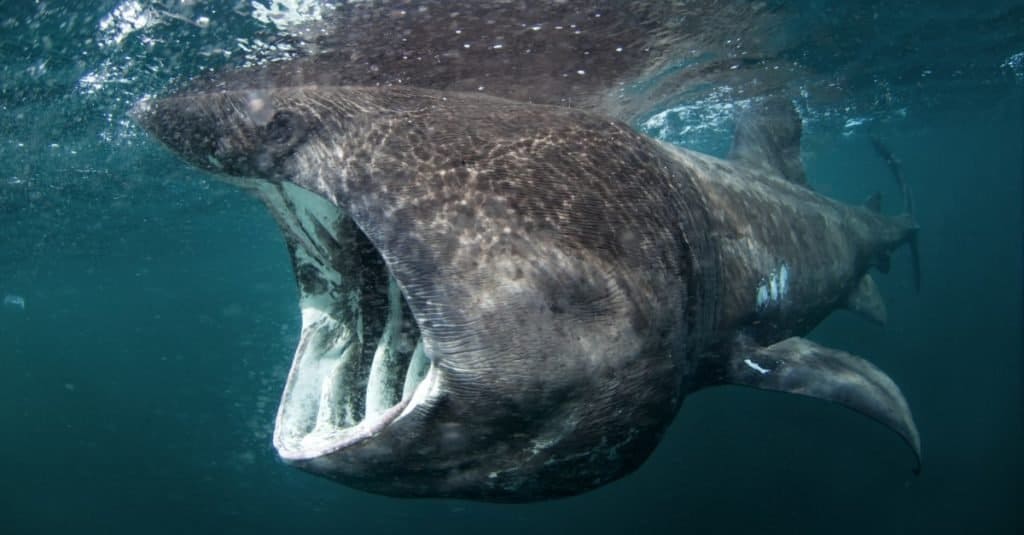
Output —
<point x="15" y="301"/>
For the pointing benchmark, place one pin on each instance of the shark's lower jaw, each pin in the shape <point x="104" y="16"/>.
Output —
<point x="360" y="363"/>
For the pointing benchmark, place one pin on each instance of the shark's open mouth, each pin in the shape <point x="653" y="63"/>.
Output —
<point x="360" y="362"/>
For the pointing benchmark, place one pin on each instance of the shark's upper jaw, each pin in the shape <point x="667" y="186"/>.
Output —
<point x="360" y="363"/>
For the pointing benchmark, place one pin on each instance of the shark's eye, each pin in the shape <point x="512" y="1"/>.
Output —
<point x="285" y="128"/>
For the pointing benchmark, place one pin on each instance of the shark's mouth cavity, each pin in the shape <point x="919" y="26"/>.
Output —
<point x="360" y="363"/>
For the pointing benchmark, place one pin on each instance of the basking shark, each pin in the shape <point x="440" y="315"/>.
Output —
<point x="509" y="301"/>
<point x="507" y="296"/>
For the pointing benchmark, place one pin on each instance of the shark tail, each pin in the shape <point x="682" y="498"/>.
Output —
<point x="908" y="222"/>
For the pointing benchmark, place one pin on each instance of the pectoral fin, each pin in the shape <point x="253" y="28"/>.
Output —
<point x="799" y="366"/>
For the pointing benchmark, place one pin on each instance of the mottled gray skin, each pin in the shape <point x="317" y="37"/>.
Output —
<point x="572" y="279"/>
<point x="761" y="221"/>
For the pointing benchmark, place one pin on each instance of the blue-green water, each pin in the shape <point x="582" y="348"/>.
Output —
<point x="139" y="379"/>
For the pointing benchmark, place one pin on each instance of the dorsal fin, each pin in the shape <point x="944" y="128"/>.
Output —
<point x="768" y="137"/>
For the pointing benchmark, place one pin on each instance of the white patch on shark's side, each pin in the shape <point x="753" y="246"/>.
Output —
<point x="762" y="296"/>
<point x="756" y="367"/>
<point x="773" y="289"/>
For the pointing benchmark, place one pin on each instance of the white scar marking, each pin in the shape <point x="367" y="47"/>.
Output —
<point x="774" y="288"/>
<point x="756" y="367"/>
<point x="762" y="296"/>
<point x="214" y="161"/>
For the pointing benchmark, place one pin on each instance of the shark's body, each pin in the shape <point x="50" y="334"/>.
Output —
<point x="507" y="301"/>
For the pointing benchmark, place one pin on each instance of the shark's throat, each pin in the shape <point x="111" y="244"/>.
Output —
<point x="360" y="358"/>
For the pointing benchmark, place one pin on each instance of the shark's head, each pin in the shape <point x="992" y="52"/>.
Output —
<point x="248" y="134"/>
<point x="492" y="309"/>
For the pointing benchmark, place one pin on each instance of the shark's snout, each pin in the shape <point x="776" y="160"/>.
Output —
<point x="234" y="134"/>
<point x="140" y="112"/>
<point x="175" y="124"/>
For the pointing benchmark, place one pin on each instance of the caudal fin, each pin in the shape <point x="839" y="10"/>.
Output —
<point x="896" y="169"/>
